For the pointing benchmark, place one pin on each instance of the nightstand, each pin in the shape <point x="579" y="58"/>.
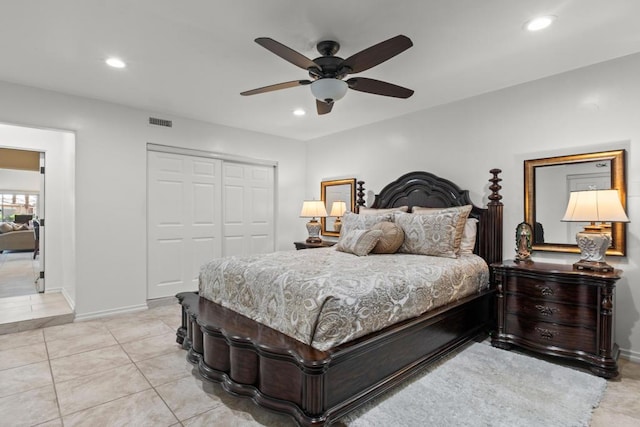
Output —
<point x="555" y="310"/>
<point x="305" y="245"/>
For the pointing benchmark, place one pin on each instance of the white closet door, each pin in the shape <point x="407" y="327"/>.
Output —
<point x="248" y="209"/>
<point x="184" y="226"/>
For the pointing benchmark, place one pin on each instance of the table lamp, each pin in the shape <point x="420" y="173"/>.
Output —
<point x="338" y="208"/>
<point x="593" y="241"/>
<point x="312" y="209"/>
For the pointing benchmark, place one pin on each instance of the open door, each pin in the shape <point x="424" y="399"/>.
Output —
<point x="38" y="255"/>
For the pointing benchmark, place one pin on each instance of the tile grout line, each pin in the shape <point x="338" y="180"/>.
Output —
<point x="53" y="381"/>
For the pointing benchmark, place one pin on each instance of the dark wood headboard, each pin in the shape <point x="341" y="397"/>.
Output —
<point x="428" y="190"/>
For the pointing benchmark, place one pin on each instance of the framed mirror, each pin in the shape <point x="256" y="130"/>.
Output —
<point x="547" y="184"/>
<point x="332" y="193"/>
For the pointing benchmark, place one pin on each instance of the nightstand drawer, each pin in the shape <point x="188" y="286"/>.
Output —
<point x="553" y="291"/>
<point x="551" y="334"/>
<point x="548" y="311"/>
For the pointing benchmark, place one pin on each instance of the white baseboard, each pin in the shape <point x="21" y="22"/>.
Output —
<point x="160" y="302"/>
<point x="630" y="355"/>
<point x="67" y="297"/>
<point x="112" y="312"/>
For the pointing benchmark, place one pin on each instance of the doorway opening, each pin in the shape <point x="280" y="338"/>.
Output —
<point x="22" y="200"/>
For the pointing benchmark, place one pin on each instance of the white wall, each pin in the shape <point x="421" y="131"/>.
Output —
<point x="585" y="110"/>
<point x="59" y="252"/>
<point x="110" y="165"/>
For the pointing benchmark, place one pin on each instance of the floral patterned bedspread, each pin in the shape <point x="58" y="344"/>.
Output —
<point x="324" y="297"/>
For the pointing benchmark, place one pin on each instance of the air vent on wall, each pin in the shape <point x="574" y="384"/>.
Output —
<point x="160" y="122"/>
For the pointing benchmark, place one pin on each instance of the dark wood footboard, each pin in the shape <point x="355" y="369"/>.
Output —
<point x="317" y="387"/>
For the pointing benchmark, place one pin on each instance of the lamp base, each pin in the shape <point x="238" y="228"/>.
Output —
<point x="313" y="228"/>
<point x="599" y="266"/>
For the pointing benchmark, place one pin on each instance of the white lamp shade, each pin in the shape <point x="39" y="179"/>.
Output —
<point x="338" y="208"/>
<point x="313" y="208"/>
<point x="329" y="90"/>
<point x="595" y="205"/>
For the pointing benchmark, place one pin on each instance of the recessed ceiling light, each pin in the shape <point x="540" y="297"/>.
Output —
<point x="115" y="63"/>
<point x="299" y="112"/>
<point x="540" y="23"/>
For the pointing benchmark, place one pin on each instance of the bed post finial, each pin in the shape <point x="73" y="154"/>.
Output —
<point x="360" y="194"/>
<point x="495" y="196"/>
<point x="493" y="248"/>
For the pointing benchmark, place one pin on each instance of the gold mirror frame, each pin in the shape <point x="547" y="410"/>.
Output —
<point x="618" y="230"/>
<point x="325" y="196"/>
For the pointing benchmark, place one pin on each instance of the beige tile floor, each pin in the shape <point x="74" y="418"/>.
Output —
<point x="26" y="312"/>
<point x="128" y="371"/>
<point x="18" y="273"/>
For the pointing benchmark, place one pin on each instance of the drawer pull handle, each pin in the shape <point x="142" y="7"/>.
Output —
<point x="547" y="311"/>
<point x="546" y="333"/>
<point x="545" y="290"/>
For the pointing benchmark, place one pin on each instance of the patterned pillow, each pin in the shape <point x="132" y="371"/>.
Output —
<point x="359" y="242"/>
<point x="460" y="226"/>
<point x="372" y="211"/>
<point x="430" y="233"/>
<point x="391" y="240"/>
<point x="351" y="221"/>
<point x="468" y="242"/>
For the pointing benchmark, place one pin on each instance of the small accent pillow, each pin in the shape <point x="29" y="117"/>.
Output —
<point x="391" y="239"/>
<point x="430" y="233"/>
<point x="372" y="211"/>
<point x="359" y="242"/>
<point x="463" y="210"/>
<point x="351" y="221"/>
<point x="5" y="227"/>
<point x="468" y="242"/>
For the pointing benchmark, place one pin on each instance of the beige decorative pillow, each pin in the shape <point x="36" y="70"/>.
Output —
<point x="463" y="210"/>
<point x="351" y="221"/>
<point x="5" y="227"/>
<point x="359" y="242"/>
<point x="429" y="233"/>
<point x="391" y="239"/>
<point x="372" y="211"/>
<point x="468" y="241"/>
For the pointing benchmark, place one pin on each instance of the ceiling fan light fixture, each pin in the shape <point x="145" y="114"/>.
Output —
<point x="329" y="89"/>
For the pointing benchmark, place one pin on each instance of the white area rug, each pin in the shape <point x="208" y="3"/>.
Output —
<point x="486" y="386"/>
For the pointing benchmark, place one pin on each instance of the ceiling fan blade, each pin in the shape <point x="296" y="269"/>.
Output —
<point x="323" y="107"/>
<point x="377" y="54"/>
<point x="286" y="53"/>
<point x="277" y="86"/>
<point x="378" y="87"/>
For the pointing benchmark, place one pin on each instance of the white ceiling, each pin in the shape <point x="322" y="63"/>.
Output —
<point x="192" y="58"/>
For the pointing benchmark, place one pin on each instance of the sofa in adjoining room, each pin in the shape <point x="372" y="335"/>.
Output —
<point x="16" y="237"/>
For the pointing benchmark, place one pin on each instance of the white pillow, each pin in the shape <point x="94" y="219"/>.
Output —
<point x="468" y="241"/>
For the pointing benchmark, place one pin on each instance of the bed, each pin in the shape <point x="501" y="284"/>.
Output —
<point x="318" y="382"/>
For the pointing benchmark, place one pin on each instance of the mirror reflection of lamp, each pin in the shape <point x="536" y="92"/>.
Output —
<point x="338" y="208"/>
<point x="312" y="209"/>
<point x="591" y="206"/>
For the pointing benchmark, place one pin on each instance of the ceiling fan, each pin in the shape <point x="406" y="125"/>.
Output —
<point x="327" y="72"/>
